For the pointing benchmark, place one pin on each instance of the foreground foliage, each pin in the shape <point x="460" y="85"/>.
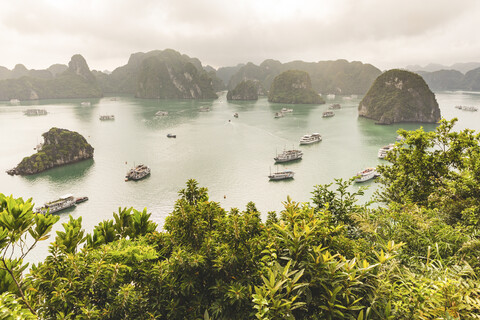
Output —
<point x="415" y="257"/>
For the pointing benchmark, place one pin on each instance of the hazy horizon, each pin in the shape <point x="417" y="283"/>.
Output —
<point x="387" y="35"/>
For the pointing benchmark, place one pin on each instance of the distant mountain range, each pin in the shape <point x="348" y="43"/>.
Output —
<point x="168" y="74"/>
<point x="432" y="67"/>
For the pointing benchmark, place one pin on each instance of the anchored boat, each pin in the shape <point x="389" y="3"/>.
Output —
<point x="367" y="174"/>
<point x="311" y="138"/>
<point x="281" y="175"/>
<point x="137" y="173"/>
<point x="382" y="152"/>
<point x="64" y="202"/>
<point x="289" y="155"/>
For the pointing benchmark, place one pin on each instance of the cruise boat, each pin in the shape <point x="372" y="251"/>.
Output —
<point x="382" y="152"/>
<point x="81" y="199"/>
<point x="63" y="202"/>
<point x="289" y="155"/>
<point x="161" y="113"/>
<point x="86" y="104"/>
<point x="285" y="110"/>
<point x="137" y="173"/>
<point x="204" y="109"/>
<point x="279" y="115"/>
<point x="35" y="112"/>
<point x="328" y="114"/>
<point x="235" y="114"/>
<point x="311" y="138"/>
<point x="281" y="175"/>
<point x="14" y="101"/>
<point x="107" y="117"/>
<point x="335" y="106"/>
<point x="367" y="174"/>
<point x="467" y="108"/>
<point x="171" y="135"/>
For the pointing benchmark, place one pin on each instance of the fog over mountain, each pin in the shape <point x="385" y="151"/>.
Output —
<point x="387" y="34"/>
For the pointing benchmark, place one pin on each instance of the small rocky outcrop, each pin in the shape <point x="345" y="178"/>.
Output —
<point x="293" y="86"/>
<point x="60" y="147"/>
<point x="245" y="90"/>
<point x="399" y="96"/>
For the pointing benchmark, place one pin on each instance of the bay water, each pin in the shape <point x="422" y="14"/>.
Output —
<point x="230" y="156"/>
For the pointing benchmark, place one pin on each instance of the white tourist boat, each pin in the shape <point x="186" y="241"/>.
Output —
<point x="86" y="104"/>
<point x="382" y="152"/>
<point x="35" y="112"/>
<point x="328" y="114"/>
<point x="311" y="138"/>
<point x="367" y="174"/>
<point x="335" y="106"/>
<point x="64" y="202"/>
<point x="286" y="110"/>
<point x="289" y="155"/>
<point x="281" y="175"/>
<point x="107" y="117"/>
<point x="204" y="109"/>
<point x="279" y="115"/>
<point x="14" y="101"/>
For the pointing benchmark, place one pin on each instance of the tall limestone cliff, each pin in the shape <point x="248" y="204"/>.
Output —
<point x="160" y="74"/>
<point x="60" y="147"/>
<point x="293" y="86"/>
<point x="399" y="96"/>
<point x="75" y="82"/>
<point x="245" y="90"/>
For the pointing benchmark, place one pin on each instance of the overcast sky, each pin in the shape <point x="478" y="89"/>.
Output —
<point x="385" y="33"/>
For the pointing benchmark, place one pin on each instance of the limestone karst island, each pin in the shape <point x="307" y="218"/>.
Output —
<point x="399" y="96"/>
<point x="60" y="147"/>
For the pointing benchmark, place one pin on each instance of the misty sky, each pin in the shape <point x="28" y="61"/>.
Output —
<point x="385" y="33"/>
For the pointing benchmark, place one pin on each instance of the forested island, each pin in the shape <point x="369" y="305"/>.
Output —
<point x="411" y="253"/>
<point x="60" y="147"/>
<point x="293" y="86"/>
<point x="399" y="96"/>
<point x="245" y="90"/>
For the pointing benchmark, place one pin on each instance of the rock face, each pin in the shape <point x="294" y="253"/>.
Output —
<point x="75" y="82"/>
<point x="293" y="86"/>
<point x="61" y="147"/>
<point x="160" y="74"/>
<point x="245" y="90"/>
<point x="399" y="96"/>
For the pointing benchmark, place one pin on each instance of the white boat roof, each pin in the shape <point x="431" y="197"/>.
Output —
<point x="65" y="196"/>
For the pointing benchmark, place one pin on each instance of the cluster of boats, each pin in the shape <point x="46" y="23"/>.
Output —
<point x="282" y="113"/>
<point x="467" y="108"/>
<point x="292" y="155"/>
<point x="371" y="173"/>
<point x="62" y="203"/>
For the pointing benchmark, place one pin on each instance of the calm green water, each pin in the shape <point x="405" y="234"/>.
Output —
<point x="232" y="159"/>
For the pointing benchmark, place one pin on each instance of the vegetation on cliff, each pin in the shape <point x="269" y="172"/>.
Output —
<point x="75" y="82"/>
<point x="399" y="96"/>
<point x="163" y="74"/>
<point x="171" y="76"/>
<point x="293" y="86"/>
<point x="245" y="90"/>
<point x="60" y="147"/>
<point x="338" y="77"/>
<point x="412" y="255"/>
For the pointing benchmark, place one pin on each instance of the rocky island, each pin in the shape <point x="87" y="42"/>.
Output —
<point x="60" y="147"/>
<point x="245" y="90"/>
<point x="293" y="86"/>
<point x="399" y="96"/>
